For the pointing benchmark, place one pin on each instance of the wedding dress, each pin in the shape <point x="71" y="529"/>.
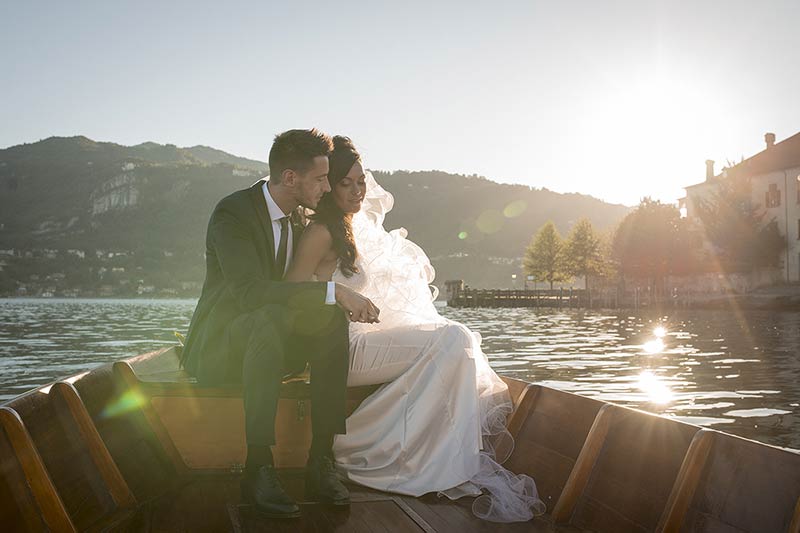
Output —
<point x="437" y="424"/>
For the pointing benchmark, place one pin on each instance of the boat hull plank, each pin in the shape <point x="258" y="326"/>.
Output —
<point x="634" y="472"/>
<point x="549" y="432"/>
<point x="18" y="509"/>
<point x="121" y="424"/>
<point x="745" y="486"/>
<point x="67" y="459"/>
<point x="73" y="413"/>
<point x="39" y="505"/>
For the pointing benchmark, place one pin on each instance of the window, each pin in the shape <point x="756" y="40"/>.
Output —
<point x="797" y="188"/>
<point x="773" y="196"/>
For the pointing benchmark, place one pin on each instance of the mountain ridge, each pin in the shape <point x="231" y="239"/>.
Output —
<point x="153" y="199"/>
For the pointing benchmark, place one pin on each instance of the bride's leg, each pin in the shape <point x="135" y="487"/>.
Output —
<point x="381" y="356"/>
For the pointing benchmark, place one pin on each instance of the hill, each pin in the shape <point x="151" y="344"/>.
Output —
<point x="140" y="213"/>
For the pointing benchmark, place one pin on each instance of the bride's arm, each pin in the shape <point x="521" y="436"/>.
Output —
<point x="315" y="243"/>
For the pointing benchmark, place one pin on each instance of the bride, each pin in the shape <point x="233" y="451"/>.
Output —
<point x="437" y="424"/>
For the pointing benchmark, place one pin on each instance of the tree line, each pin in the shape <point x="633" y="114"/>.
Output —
<point x="654" y="241"/>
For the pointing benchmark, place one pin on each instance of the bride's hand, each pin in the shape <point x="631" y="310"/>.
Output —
<point x="356" y="307"/>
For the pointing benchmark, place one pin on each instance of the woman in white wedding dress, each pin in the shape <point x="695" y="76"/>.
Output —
<point x="437" y="424"/>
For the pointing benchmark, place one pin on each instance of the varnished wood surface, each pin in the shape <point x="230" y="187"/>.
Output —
<point x="634" y="472"/>
<point x="48" y="502"/>
<point x="66" y="457"/>
<point x="18" y="508"/>
<point x="584" y="465"/>
<point x="371" y="516"/>
<point x="66" y="396"/>
<point x="794" y="527"/>
<point x="549" y="428"/>
<point x="126" y="375"/>
<point x="370" y="511"/>
<point x="688" y="478"/>
<point x="119" y="421"/>
<point x="746" y="487"/>
<point x="624" y="474"/>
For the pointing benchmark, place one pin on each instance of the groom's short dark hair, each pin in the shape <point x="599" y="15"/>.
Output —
<point x="296" y="150"/>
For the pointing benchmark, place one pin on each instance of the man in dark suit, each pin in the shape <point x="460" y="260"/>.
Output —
<point x="250" y="325"/>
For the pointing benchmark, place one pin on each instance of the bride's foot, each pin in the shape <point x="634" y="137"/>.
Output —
<point x="323" y="484"/>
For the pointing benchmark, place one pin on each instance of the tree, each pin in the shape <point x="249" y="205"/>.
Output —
<point x="582" y="252"/>
<point x="733" y="224"/>
<point x="543" y="256"/>
<point x="653" y="241"/>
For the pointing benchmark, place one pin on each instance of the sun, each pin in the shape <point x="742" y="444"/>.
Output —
<point x="651" y="133"/>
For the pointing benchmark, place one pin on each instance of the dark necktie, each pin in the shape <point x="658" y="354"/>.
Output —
<point x="282" y="247"/>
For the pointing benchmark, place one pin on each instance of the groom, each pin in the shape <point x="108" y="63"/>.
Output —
<point x="250" y="325"/>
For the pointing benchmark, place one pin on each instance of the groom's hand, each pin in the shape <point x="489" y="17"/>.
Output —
<point x="356" y="307"/>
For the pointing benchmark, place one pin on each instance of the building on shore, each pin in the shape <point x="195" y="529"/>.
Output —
<point x="774" y="175"/>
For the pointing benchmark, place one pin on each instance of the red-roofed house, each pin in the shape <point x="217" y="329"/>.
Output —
<point x="775" y="180"/>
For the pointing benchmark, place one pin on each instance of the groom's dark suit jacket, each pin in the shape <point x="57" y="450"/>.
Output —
<point x="241" y="277"/>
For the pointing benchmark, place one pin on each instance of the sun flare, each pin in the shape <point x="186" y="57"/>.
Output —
<point x="656" y="390"/>
<point x="653" y="346"/>
<point x="655" y="121"/>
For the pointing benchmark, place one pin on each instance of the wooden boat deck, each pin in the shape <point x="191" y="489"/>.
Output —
<point x="212" y="504"/>
<point x="135" y="446"/>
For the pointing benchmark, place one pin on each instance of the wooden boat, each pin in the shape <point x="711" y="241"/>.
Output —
<point x="137" y="446"/>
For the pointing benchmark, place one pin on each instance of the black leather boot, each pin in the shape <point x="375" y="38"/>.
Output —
<point x="323" y="484"/>
<point x="263" y="491"/>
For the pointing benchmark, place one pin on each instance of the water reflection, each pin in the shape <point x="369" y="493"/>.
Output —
<point x="42" y="340"/>
<point x="736" y="373"/>
<point x="656" y="390"/>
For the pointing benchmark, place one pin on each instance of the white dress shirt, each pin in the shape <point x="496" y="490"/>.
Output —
<point x="276" y="214"/>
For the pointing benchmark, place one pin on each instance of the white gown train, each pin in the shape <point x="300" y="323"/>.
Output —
<point x="438" y="422"/>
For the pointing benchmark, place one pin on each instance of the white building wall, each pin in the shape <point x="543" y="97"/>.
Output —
<point x="786" y="213"/>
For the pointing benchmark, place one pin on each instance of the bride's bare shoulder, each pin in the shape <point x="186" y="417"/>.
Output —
<point x="318" y="234"/>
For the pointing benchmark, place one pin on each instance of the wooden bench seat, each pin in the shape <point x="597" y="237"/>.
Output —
<point x="175" y="405"/>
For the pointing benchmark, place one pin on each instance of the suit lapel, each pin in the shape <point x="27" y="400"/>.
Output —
<point x="260" y="205"/>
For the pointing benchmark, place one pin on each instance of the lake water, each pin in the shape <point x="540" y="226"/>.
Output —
<point x="734" y="371"/>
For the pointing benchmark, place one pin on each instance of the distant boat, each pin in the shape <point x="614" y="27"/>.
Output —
<point x="137" y="445"/>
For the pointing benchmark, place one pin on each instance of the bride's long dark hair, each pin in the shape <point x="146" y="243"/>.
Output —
<point x="339" y="223"/>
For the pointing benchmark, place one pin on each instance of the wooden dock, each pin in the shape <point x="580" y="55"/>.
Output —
<point x="557" y="298"/>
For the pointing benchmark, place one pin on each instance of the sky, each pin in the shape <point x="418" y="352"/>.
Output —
<point x="616" y="99"/>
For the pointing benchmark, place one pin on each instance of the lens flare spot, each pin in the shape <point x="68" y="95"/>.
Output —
<point x="490" y="221"/>
<point x="656" y="391"/>
<point x="129" y="401"/>
<point x="653" y="346"/>
<point x="463" y="235"/>
<point x="660" y="331"/>
<point x="515" y="209"/>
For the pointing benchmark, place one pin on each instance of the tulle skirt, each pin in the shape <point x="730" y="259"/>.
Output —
<point x="438" y="422"/>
